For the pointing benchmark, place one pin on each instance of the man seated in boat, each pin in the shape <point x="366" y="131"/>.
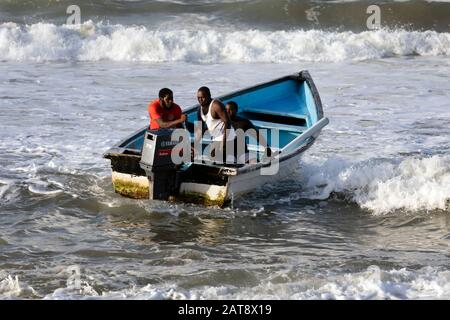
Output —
<point x="164" y="113"/>
<point x="216" y="120"/>
<point x="245" y="124"/>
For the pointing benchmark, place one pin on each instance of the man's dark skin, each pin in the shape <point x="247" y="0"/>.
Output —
<point x="217" y="111"/>
<point x="244" y="124"/>
<point x="236" y="121"/>
<point x="166" y="102"/>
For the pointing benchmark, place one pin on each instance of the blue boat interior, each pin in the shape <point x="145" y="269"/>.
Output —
<point x="284" y="107"/>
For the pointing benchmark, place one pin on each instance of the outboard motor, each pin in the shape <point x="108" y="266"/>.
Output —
<point x="157" y="162"/>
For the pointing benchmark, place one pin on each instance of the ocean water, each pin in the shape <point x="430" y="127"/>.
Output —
<point x="366" y="216"/>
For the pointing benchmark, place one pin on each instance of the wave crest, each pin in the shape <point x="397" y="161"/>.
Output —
<point x="94" y="42"/>
<point x="412" y="185"/>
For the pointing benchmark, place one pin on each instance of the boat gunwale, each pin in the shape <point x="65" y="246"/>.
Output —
<point x="300" y="76"/>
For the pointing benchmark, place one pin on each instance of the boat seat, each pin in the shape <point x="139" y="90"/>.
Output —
<point x="285" y="127"/>
<point x="275" y="117"/>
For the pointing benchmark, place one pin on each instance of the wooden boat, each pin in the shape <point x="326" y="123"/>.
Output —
<point x="289" y="108"/>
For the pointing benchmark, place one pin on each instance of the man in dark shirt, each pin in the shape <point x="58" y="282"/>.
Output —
<point x="244" y="124"/>
<point x="238" y="122"/>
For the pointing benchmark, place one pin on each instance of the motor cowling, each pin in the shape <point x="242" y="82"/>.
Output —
<point x="157" y="162"/>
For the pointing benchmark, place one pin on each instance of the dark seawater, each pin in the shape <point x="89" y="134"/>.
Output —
<point x="247" y="14"/>
<point x="366" y="215"/>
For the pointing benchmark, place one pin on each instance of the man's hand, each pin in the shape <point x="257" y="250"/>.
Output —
<point x="183" y="118"/>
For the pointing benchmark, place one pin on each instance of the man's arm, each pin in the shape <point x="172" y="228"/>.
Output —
<point x="156" y="115"/>
<point x="199" y="118"/>
<point x="218" y="112"/>
<point x="170" y="124"/>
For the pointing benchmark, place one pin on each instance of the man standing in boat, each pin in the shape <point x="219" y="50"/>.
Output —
<point x="164" y="113"/>
<point x="212" y="113"/>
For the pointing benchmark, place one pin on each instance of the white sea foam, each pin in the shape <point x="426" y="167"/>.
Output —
<point x="9" y="190"/>
<point x="372" y="283"/>
<point x="11" y="287"/>
<point x="85" y="291"/>
<point x="40" y="190"/>
<point x="5" y="184"/>
<point x="49" y="187"/>
<point x="383" y="186"/>
<point x="94" y="42"/>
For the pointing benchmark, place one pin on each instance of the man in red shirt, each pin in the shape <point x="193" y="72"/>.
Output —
<point x="164" y="113"/>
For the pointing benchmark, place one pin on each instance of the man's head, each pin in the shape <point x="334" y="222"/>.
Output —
<point x="204" y="96"/>
<point x="166" y="98"/>
<point x="232" y="109"/>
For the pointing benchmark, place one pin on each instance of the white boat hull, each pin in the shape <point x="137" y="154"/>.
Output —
<point x="237" y="186"/>
<point x="244" y="183"/>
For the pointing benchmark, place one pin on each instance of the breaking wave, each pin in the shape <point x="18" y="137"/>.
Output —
<point x="384" y="186"/>
<point x="370" y="284"/>
<point x="11" y="287"/>
<point x="95" y="42"/>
